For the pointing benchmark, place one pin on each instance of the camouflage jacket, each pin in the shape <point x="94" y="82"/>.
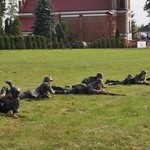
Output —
<point x="138" y="80"/>
<point x="7" y="104"/>
<point x="91" y="88"/>
<point x="44" y="89"/>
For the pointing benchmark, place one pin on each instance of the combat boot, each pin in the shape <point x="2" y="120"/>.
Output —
<point x="9" y="83"/>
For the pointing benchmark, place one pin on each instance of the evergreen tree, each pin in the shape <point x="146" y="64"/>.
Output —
<point x="44" y="18"/>
<point x="103" y="43"/>
<point x="28" y="42"/>
<point x="2" y="45"/>
<point x="118" y="42"/>
<point x="7" y="42"/>
<point x="16" y="27"/>
<point x="95" y="44"/>
<point x="147" y="6"/>
<point x="39" y="42"/>
<point x="12" y="42"/>
<point x="2" y="10"/>
<point x="12" y="23"/>
<point x="133" y="26"/>
<point x="43" y="40"/>
<point x="113" y="43"/>
<point x="61" y="43"/>
<point x="99" y="43"/>
<point x="17" y="42"/>
<point x="22" y="42"/>
<point x="34" y="42"/>
<point x="122" y="44"/>
<point x="63" y="31"/>
<point x="7" y="26"/>
<point x="12" y="9"/>
<point x="76" y="44"/>
<point x="56" y="43"/>
<point x="108" y="43"/>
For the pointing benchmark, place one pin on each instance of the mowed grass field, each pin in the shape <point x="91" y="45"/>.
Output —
<point x="77" y="122"/>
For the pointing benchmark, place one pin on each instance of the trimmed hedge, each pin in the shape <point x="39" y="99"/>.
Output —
<point x="20" y="42"/>
<point x="102" y="43"/>
<point x="40" y="42"/>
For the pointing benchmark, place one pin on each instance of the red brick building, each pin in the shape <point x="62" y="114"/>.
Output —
<point x="89" y="19"/>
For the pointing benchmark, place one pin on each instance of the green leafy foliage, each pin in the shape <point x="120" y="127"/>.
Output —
<point x="147" y="6"/>
<point x="44" y="18"/>
<point x="2" y="10"/>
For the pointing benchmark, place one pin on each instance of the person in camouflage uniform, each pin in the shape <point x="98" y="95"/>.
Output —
<point x="5" y="90"/>
<point x="92" y="88"/>
<point x="42" y="91"/>
<point x="95" y="87"/>
<point x="138" y="79"/>
<point x="92" y="78"/>
<point x="10" y="102"/>
<point x="88" y="80"/>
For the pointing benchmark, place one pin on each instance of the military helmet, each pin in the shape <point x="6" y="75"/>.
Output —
<point x="98" y="81"/>
<point x="47" y="79"/>
<point x="99" y="75"/>
<point x="143" y="72"/>
<point x="15" y="91"/>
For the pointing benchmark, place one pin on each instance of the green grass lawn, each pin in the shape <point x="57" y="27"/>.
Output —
<point x="77" y="122"/>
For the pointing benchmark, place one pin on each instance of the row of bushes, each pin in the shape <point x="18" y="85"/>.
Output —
<point x="101" y="43"/>
<point x="40" y="42"/>
<point x="19" y="42"/>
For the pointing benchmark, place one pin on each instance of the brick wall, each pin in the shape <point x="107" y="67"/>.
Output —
<point x="89" y="28"/>
<point x="121" y="23"/>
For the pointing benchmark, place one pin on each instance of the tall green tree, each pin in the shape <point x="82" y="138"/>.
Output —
<point x="147" y="6"/>
<point x="7" y="26"/>
<point x="2" y="10"/>
<point x="12" y="9"/>
<point x="16" y="27"/>
<point x="13" y="27"/>
<point x="44" y="18"/>
<point x="134" y="27"/>
<point x="63" y="31"/>
<point x="12" y="23"/>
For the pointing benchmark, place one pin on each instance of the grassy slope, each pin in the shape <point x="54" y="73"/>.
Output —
<point x="77" y="121"/>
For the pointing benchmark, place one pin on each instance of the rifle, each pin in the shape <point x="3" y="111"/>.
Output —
<point x="111" y="94"/>
<point x="12" y="115"/>
<point x="148" y="79"/>
<point x="146" y="83"/>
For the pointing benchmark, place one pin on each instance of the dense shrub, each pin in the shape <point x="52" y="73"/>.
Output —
<point x="22" y="42"/>
<point x="108" y="43"/>
<point x="95" y="44"/>
<point x="17" y="42"/>
<point x="34" y="42"/>
<point x="2" y="46"/>
<point x="7" y="42"/>
<point x="43" y="41"/>
<point x="122" y="43"/>
<point x="118" y="43"/>
<point x="12" y="42"/>
<point x="103" y="43"/>
<point x="61" y="43"/>
<point x="56" y="43"/>
<point x="39" y="41"/>
<point x="99" y="43"/>
<point x="113" y="43"/>
<point x="28" y="42"/>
